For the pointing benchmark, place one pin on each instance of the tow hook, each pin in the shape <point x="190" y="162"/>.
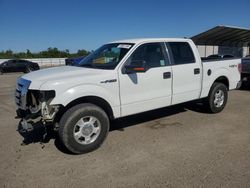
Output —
<point x="26" y="126"/>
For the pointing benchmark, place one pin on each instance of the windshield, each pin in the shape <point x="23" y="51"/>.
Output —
<point x="107" y="56"/>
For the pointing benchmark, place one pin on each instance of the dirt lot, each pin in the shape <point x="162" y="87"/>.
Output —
<point x="178" y="146"/>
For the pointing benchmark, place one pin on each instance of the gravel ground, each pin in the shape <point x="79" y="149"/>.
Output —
<point x="178" y="146"/>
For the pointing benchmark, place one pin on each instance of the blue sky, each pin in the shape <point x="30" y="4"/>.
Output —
<point x="79" y="24"/>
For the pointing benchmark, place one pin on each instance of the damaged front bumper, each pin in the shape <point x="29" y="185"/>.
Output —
<point x="33" y="106"/>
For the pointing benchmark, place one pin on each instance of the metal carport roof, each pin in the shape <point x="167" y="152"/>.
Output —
<point x="223" y="36"/>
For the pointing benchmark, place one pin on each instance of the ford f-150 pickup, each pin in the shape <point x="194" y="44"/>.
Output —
<point x="119" y="79"/>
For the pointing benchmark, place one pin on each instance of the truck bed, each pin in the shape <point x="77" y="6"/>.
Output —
<point x="215" y="68"/>
<point x="204" y="59"/>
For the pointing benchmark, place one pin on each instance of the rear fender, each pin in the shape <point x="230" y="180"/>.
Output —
<point x="208" y="81"/>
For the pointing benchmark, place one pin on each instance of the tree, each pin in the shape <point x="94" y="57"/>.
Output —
<point x="28" y="54"/>
<point x="51" y="52"/>
<point x="82" y="52"/>
<point x="9" y="53"/>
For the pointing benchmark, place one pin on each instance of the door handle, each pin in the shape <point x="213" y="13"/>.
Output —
<point x="166" y="75"/>
<point x="197" y="71"/>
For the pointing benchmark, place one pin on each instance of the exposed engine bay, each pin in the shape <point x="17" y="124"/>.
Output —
<point x="34" y="105"/>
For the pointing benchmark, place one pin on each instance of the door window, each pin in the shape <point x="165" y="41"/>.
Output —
<point x="8" y="63"/>
<point x="151" y="53"/>
<point x="181" y="52"/>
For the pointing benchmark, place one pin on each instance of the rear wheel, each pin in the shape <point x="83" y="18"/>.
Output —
<point x="83" y="128"/>
<point x="217" y="98"/>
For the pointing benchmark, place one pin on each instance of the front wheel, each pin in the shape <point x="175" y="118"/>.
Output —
<point x="217" y="98"/>
<point x="83" y="128"/>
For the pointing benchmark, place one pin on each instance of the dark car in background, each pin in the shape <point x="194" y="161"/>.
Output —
<point x="245" y="68"/>
<point x="73" y="61"/>
<point x="18" y="65"/>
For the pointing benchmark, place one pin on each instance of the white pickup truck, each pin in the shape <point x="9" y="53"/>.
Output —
<point x="120" y="79"/>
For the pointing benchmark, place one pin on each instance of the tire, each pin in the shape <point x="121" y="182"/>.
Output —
<point x="217" y="98"/>
<point x="1" y="71"/>
<point x="77" y="132"/>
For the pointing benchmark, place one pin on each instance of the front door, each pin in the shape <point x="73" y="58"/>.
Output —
<point x="152" y="89"/>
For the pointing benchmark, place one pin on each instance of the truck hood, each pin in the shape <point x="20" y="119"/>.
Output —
<point x="63" y="74"/>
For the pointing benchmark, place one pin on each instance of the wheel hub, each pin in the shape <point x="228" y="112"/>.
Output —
<point x="219" y="98"/>
<point x="87" y="129"/>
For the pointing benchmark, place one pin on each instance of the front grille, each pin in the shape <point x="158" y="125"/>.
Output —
<point x="18" y="97"/>
<point x="21" y="93"/>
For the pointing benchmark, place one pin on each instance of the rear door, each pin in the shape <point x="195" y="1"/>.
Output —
<point x="187" y="72"/>
<point x="21" y="65"/>
<point x="152" y="89"/>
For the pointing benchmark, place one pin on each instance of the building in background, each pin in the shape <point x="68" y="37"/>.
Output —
<point x="223" y="40"/>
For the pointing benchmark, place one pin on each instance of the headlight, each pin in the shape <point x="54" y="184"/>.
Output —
<point x="36" y="98"/>
<point x="46" y="96"/>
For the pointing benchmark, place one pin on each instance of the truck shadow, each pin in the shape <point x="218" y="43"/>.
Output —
<point x="122" y="123"/>
<point x="133" y="120"/>
<point x="43" y="135"/>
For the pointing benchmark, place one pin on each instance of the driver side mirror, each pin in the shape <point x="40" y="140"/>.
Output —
<point x="135" y="66"/>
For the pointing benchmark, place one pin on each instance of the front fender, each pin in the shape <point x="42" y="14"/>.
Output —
<point x="76" y="92"/>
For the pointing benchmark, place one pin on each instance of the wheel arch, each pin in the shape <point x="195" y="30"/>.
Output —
<point x="98" y="101"/>
<point x="224" y="80"/>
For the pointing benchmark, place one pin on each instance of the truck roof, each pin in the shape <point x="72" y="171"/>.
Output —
<point x="141" y="40"/>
